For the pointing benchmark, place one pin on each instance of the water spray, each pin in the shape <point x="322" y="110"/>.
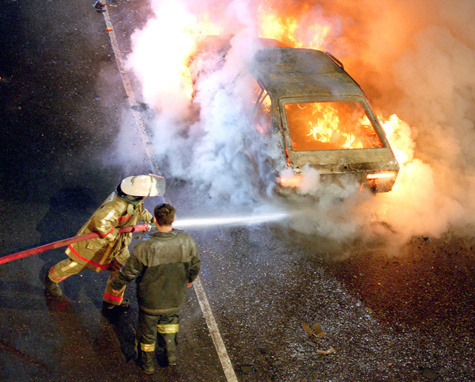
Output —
<point x="243" y="220"/>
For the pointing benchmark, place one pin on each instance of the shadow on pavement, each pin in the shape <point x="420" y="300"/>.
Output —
<point x="124" y="330"/>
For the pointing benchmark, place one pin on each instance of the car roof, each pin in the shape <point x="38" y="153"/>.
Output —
<point x="298" y="72"/>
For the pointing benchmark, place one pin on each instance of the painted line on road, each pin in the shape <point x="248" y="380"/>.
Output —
<point x="214" y="331"/>
<point x="198" y="287"/>
<point x="134" y="106"/>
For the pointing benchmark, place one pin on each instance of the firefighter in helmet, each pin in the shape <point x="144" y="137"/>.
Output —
<point x="124" y="207"/>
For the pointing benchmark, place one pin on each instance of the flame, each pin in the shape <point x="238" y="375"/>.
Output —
<point x="330" y="129"/>
<point x="399" y="136"/>
<point x="188" y="43"/>
<point x="173" y="36"/>
<point x="330" y="125"/>
<point x="294" y="181"/>
<point x="168" y="63"/>
<point x="304" y="29"/>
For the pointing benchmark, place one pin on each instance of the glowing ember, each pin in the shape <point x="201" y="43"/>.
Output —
<point x="291" y="181"/>
<point x="380" y="175"/>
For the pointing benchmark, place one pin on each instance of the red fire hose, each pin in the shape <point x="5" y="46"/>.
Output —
<point x="64" y="242"/>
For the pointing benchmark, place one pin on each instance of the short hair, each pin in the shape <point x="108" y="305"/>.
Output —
<point x="164" y="213"/>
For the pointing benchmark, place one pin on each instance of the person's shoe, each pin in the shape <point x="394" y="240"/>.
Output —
<point x="147" y="369"/>
<point x="145" y="361"/>
<point x="172" y="362"/>
<point x="171" y="358"/>
<point x="124" y="305"/>
<point x="52" y="288"/>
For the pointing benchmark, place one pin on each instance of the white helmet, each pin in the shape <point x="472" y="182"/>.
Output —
<point x="143" y="185"/>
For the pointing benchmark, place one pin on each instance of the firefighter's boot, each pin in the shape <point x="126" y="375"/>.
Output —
<point x="52" y="288"/>
<point x="146" y="361"/>
<point x="124" y="305"/>
<point x="170" y="345"/>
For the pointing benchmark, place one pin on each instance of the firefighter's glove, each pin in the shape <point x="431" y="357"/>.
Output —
<point x="115" y="266"/>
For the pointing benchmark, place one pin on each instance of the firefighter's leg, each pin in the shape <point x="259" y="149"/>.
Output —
<point x="58" y="273"/>
<point x="111" y="299"/>
<point x="167" y="328"/>
<point x="147" y="338"/>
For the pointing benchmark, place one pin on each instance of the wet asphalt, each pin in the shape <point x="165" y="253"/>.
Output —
<point x="386" y="318"/>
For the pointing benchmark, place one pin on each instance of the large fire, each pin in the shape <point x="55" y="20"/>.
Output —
<point x="304" y="29"/>
<point x="290" y="30"/>
<point x="398" y="53"/>
<point x="332" y="129"/>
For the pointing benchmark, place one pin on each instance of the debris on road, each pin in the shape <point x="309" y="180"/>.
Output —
<point x="329" y="351"/>
<point x="315" y="331"/>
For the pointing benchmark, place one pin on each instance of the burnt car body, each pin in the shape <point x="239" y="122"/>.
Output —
<point x="320" y="114"/>
<point x="325" y="119"/>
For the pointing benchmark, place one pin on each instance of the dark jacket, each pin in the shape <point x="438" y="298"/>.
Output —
<point x="163" y="266"/>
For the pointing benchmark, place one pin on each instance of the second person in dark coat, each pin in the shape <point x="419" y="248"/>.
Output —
<point x="163" y="267"/>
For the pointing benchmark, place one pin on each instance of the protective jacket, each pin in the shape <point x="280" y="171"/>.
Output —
<point x="114" y="213"/>
<point x="163" y="266"/>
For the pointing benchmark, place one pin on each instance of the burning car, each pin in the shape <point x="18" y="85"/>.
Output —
<point x="321" y="116"/>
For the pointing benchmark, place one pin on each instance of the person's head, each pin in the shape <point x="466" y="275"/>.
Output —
<point x="164" y="214"/>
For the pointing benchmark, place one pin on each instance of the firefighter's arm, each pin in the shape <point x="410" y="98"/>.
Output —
<point x="103" y="221"/>
<point x="129" y="272"/>
<point x="195" y="263"/>
<point x="146" y="216"/>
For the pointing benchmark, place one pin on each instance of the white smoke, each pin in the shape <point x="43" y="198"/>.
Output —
<point x="414" y="59"/>
<point x="205" y="139"/>
<point x="425" y="58"/>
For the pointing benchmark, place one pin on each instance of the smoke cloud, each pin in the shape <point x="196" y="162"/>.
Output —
<point x="418" y="57"/>
<point x="413" y="59"/>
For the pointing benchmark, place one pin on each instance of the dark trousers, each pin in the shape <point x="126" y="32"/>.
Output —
<point x="166" y="325"/>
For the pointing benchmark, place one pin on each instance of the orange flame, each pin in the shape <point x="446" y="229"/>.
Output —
<point x="294" y="29"/>
<point x="330" y="125"/>
<point x="294" y="181"/>
<point x="399" y="137"/>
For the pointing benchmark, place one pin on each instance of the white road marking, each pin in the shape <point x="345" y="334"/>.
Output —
<point x="130" y="95"/>
<point x="214" y="331"/>
<point x="199" y="290"/>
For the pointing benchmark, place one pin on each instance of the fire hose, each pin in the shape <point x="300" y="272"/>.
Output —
<point x="71" y="240"/>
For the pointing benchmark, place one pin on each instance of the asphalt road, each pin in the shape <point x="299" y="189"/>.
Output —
<point x="406" y="318"/>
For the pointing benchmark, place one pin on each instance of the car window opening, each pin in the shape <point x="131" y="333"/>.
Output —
<point x="262" y="108"/>
<point x="330" y="126"/>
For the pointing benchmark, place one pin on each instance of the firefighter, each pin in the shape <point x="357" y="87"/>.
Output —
<point x="124" y="207"/>
<point x="164" y="266"/>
